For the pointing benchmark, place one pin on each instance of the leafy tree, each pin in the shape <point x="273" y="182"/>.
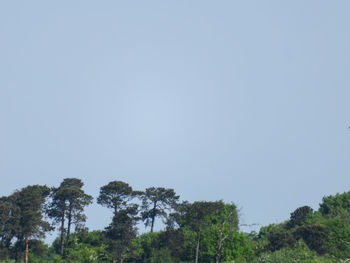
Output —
<point x="68" y="202"/>
<point x="278" y="236"/>
<point x="314" y="236"/>
<point x="299" y="216"/>
<point x="173" y="240"/>
<point x="338" y="205"/>
<point x="143" y="247"/>
<point x="337" y="243"/>
<point x="116" y="195"/>
<point x="9" y="224"/>
<point x="155" y="203"/>
<point x="122" y="231"/>
<point x="30" y="202"/>
<point x="226" y="224"/>
<point x="197" y="219"/>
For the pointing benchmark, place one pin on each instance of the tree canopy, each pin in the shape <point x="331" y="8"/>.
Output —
<point x="201" y="231"/>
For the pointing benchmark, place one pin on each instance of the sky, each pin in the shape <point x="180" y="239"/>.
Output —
<point x="241" y="101"/>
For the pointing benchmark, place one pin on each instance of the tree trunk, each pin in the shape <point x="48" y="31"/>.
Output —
<point x="62" y="235"/>
<point x="221" y="241"/>
<point x="222" y="238"/>
<point x="153" y="216"/>
<point x="197" y="247"/>
<point x="218" y="255"/>
<point x="68" y="226"/>
<point x="152" y="224"/>
<point x="18" y="248"/>
<point x="16" y="253"/>
<point x="27" y="249"/>
<point x="120" y="257"/>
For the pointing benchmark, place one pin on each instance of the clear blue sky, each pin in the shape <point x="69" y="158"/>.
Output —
<point x="245" y="101"/>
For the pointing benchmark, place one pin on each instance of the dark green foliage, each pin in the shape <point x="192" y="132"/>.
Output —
<point x="280" y="237"/>
<point x="122" y="231"/>
<point x="201" y="231"/>
<point x="156" y="202"/>
<point x="299" y="216"/>
<point x="315" y="236"/>
<point x="173" y="240"/>
<point x="30" y="203"/>
<point x="9" y="224"/>
<point x="116" y="195"/>
<point x="37" y="247"/>
<point x="337" y="205"/>
<point x="197" y="215"/>
<point x="68" y="203"/>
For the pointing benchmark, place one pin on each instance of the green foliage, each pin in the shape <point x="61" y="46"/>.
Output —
<point x="116" y="195"/>
<point x="338" y="242"/>
<point x="67" y="203"/>
<point x="30" y="202"/>
<point x="122" y="231"/>
<point x="201" y="231"/>
<point x="143" y="247"/>
<point x="156" y="201"/>
<point x="337" y="205"/>
<point x="161" y="256"/>
<point x="298" y="217"/>
<point x="235" y="246"/>
<point x="314" y="235"/>
<point x="277" y="236"/>
<point x="301" y="254"/>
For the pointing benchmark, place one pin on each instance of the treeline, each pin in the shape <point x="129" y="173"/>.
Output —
<point x="201" y="231"/>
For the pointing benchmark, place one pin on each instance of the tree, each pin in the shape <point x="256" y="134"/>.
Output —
<point x="314" y="235"/>
<point x="299" y="216"/>
<point x="226" y="223"/>
<point x="30" y="202"/>
<point x="116" y="195"/>
<point x="338" y="205"/>
<point x="68" y="202"/>
<point x="155" y="203"/>
<point x="9" y="224"/>
<point x="122" y="230"/>
<point x="197" y="219"/>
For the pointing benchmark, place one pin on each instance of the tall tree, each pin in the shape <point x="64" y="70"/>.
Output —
<point x="226" y="224"/>
<point x="30" y="202"/>
<point x="156" y="202"/>
<point x="122" y="230"/>
<point x="9" y="224"/>
<point x="116" y="195"/>
<point x="197" y="218"/>
<point x="68" y="203"/>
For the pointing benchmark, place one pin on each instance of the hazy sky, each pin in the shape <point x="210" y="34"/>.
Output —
<point x="245" y="101"/>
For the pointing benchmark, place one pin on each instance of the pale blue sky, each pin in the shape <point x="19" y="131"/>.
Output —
<point x="245" y="101"/>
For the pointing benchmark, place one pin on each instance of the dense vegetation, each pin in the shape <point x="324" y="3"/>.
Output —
<point x="201" y="231"/>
